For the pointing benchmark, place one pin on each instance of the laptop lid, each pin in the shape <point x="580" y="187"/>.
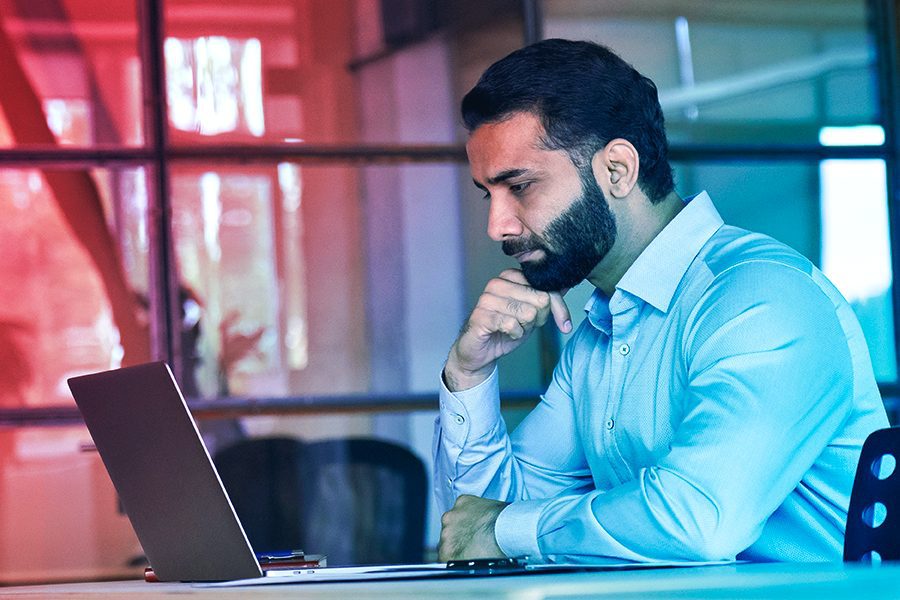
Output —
<point x="163" y="474"/>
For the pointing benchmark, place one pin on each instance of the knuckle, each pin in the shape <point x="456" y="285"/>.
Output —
<point x="509" y="324"/>
<point x="529" y="311"/>
<point x="494" y="285"/>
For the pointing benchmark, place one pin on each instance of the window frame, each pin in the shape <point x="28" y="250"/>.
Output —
<point x="158" y="154"/>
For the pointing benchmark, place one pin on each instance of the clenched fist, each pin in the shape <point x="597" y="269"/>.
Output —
<point x="506" y="313"/>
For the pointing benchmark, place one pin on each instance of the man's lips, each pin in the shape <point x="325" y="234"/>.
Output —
<point x="523" y="250"/>
<point x="527" y="255"/>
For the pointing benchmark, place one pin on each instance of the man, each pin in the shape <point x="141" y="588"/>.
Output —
<point x="713" y="403"/>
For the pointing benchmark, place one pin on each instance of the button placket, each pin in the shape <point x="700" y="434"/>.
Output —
<point x="624" y="314"/>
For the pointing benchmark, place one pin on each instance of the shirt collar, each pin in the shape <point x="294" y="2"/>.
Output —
<point x="658" y="270"/>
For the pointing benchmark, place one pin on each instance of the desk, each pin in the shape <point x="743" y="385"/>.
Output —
<point x="794" y="581"/>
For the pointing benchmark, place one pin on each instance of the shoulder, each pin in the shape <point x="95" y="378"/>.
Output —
<point x="758" y="286"/>
<point x="731" y="247"/>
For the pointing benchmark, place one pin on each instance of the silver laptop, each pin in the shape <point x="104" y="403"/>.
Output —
<point x="164" y="475"/>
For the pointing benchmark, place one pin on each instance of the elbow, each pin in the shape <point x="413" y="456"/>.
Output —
<point x="710" y="548"/>
<point x="718" y="539"/>
<point x="700" y="527"/>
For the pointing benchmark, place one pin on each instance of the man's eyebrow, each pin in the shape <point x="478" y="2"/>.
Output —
<point x="505" y="175"/>
<point x="501" y="177"/>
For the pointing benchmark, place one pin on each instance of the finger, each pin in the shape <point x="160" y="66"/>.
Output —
<point x="509" y="326"/>
<point x="443" y="549"/>
<point x="543" y="300"/>
<point x="560" y="311"/>
<point x="514" y="275"/>
<point x="511" y="283"/>
<point x="463" y="499"/>
<point x="522" y="311"/>
<point x="485" y="321"/>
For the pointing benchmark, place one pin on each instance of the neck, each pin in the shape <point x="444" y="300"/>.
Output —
<point x="638" y="222"/>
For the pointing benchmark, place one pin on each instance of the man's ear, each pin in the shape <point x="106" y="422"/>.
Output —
<point x="616" y="167"/>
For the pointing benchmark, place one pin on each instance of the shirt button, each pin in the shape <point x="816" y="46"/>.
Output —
<point x="610" y="424"/>
<point x="459" y="419"/>
<point x="624" y="349"/>
<point x="449" y="483"/>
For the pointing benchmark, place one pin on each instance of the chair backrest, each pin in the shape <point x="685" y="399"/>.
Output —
<point x="265" y="485"/>
<point x="367" y="504"/>
<point x="358" y="500"/>
<point x="873" y="518"/>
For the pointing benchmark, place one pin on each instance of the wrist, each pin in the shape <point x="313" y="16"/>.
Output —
<point x="457" y="378"/>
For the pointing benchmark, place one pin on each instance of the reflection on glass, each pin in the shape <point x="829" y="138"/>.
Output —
<point x="69" y="120"/>
<point x="225" y="246"/>
<point x="56" y="495"/>
<point x="69" y="304"/>
<point x="214" y="85"/>
<point x="75" y="67"/>
<point x="322" y="71"/>
<point x="296" y="339"/>
<point x="317" y="279"/>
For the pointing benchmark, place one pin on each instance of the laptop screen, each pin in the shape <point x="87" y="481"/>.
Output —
<point x="163" y="474"/>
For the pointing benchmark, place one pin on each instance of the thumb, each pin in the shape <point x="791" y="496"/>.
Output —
<point x="560" y="311"/>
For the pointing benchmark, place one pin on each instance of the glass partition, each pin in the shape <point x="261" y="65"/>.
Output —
<point x="304" y="279"/>
<point x="763" y="73"/>
<point x="76" y="63"/>
<point x="75" y="275"/>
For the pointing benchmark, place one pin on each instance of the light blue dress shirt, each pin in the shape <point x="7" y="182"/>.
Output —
<point x="713" y="408"/>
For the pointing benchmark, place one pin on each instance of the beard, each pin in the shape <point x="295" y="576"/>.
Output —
<point x="573" y="243"/>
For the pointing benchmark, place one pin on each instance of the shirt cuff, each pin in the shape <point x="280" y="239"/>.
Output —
<point x="516" y="529"/>
<point x="470" y="414"/>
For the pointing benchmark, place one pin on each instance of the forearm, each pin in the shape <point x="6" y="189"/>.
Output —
<point x="472" y="451"/>
<point x="638" y="521"/>
<point x="474" y="455"/>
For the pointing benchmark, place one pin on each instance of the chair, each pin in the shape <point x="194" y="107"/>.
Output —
<point x="368" y="502"/>
<point x="873" y="518"/>
<point x="266" y="488"/>
<point x="358" y="501"/>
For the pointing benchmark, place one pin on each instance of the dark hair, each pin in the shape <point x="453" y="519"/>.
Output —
<point x="585" y="96"/>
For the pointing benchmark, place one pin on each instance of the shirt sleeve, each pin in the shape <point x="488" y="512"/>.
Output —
<point x="769" y="382"/>
<point x="474" y="454"/>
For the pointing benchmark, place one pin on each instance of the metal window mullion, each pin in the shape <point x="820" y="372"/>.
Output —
<point x="163" y="284"/>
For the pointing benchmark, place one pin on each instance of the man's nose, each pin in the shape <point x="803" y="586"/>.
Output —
<point x="503" y="222"/>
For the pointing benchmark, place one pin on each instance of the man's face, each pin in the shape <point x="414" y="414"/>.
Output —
<point x="572" y="244"/>
<point x="551" y="217"/>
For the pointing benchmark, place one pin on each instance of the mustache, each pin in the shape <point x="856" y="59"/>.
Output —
<point x="519" y="245"/>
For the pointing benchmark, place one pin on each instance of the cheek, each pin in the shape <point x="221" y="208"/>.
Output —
<point x="539" y="218"/>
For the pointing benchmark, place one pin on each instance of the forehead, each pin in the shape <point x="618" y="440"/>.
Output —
<point x="514" y="143"/>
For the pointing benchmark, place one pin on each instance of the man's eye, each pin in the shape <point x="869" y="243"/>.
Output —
<point x="518" y="188"/>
